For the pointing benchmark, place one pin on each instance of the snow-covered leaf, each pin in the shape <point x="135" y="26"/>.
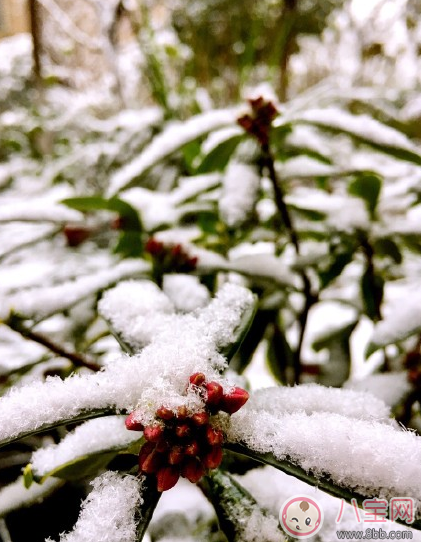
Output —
<point x="15" y="495"/>
<point x="88" y="448"/>
<point x="173" y="138"/>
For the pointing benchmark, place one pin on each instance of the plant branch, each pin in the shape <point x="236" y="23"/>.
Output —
<point x="77" y="359"/>
<point x="310" y="298"/>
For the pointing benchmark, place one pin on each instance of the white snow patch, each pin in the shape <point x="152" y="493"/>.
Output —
<point x="15" y="495"/>
<point x="185" y="291"/>
<point x="239" y="193"/>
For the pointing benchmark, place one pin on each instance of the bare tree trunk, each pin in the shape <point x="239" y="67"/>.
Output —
<point x="36" y="40"/>
<point x="287" y="29"/>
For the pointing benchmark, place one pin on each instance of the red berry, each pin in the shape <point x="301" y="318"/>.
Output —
<point x="197" y="379"/>
<point x="192" y="469"/>
<point x="176" y="455"/>
<point x="200" y="418"/>
<point x="214" y="436"/>
<point x="153" y="433"/>
<point x="182" y="430"/>
<point x="165" y="413"/>
<point x="132" y="423"/>
<point x="76" y="235"/>
<point x="234" y="400"/>
<point x="167" y="477"/>
<point x="215" y="393"/>
<point x="213" y="458"/>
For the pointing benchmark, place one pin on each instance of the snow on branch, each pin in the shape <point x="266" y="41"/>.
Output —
<point x="158" y="374"/>
<point x="108" y="513"/>
<point x="366" y="456"/>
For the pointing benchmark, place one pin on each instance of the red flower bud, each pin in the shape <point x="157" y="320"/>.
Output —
<point x="176" y="455"/>
<point x="165" y="413"/>
<point x="132" y="423"/>
<point x="200" y="418"/>
<point x="182" y="413"/>
<point x="149" y="459"/>
<point x="215" y="437"/>
<point x="76" y="235"/>
<point x="192" y="469"/>
<point x="197" y="379"/>
<point x="153" y="433"/>
<point x="167" y="477"/>
<point x="215" y="393"/>
<point x="153" y="246"/>
<point x="182" y="430"/>
<point x="162" y="445"/>
<point x="234" y="400"/>
<point x="192" y="449"/>
<point x="213" y="458"/>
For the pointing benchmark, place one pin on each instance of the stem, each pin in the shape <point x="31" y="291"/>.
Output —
<point x="310" y="298"/>
<point x="77" y="359"/>
<point x="36" y="39"/>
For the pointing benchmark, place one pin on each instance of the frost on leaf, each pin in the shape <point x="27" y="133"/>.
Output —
<point x="108" y="513"/>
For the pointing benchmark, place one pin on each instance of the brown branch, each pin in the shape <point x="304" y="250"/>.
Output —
<point x="36" y="39"/>
<point x="77" y="359"/>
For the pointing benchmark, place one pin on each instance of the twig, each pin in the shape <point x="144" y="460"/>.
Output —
<point x="77" y="359"/>
<point x="310" y="298"/>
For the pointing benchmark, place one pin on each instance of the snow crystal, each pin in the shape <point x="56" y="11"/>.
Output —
<point x="158" y="374"/>
<point x="388" y="387"/>
<point x="94" y="436"/>
<point x="239" y="193"/>
<point x="363" y="455"/>
<point x="38" y="303"/>
<point x="108" y="513"/>
<point x="186" y="292"/>
<point x="170" y="140"/>
<point x="315" y="398"/>
<point x="15" y="495"/>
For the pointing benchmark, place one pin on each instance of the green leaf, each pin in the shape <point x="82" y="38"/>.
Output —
<point x="233" y="505"/>
<point x="219" y="156"/>
<point x="28" y="476"/>
<point x="79" y="468"/>
<point x="150" y="498"/>
<point x="241" y="331"/>
<point x="130" y="219"/>
<point x="372" y="286"/>
<point x="388" y="247"/>
<point x="279" y="355"/>
<point x="367" y="187"/>
<point x="340" y="260"/>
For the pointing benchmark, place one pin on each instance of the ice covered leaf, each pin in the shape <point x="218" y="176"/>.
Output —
<point x="403" y="319"/>
<point x="333" y="451"/>
<point x="175" y="136"/>
<point x="109" y="512"/>
<point x="305" y="167"/>
<point x="315" y="398"/>
<point x="90" y="446"/>
<point x="363" y="128"/>
<point x="15" y="495"/>
<point x="264" y="267"/>
<point x="240" y="187"/>
<point x="16" y="236"/>
<point x="39" y="303"/>
<point x="239" y="515"/>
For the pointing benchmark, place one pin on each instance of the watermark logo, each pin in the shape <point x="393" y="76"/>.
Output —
<point x="301" y="517"/>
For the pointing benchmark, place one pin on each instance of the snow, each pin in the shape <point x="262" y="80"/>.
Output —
<point x="94" y="436"/>
<point x="41" y="210"/>
<point x="175" y="136"/>
<point x="239" y="193"/>
<point x="108" y="513"/>
<point x="185" y="291"/>
<point x="315" y="398"/>
<point x="352" y="452"/>
<point x="39" y="303"/>
<point x="362" y="126"/>
<point x="15" y="495"/>
<point x="143" y="381"/>
<point x="388" y="387"/>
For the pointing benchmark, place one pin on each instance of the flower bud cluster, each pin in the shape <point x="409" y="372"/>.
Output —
<point x="259" y="122"/>
<point x="179" y="443"/>
<point x="170" y="258"/>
